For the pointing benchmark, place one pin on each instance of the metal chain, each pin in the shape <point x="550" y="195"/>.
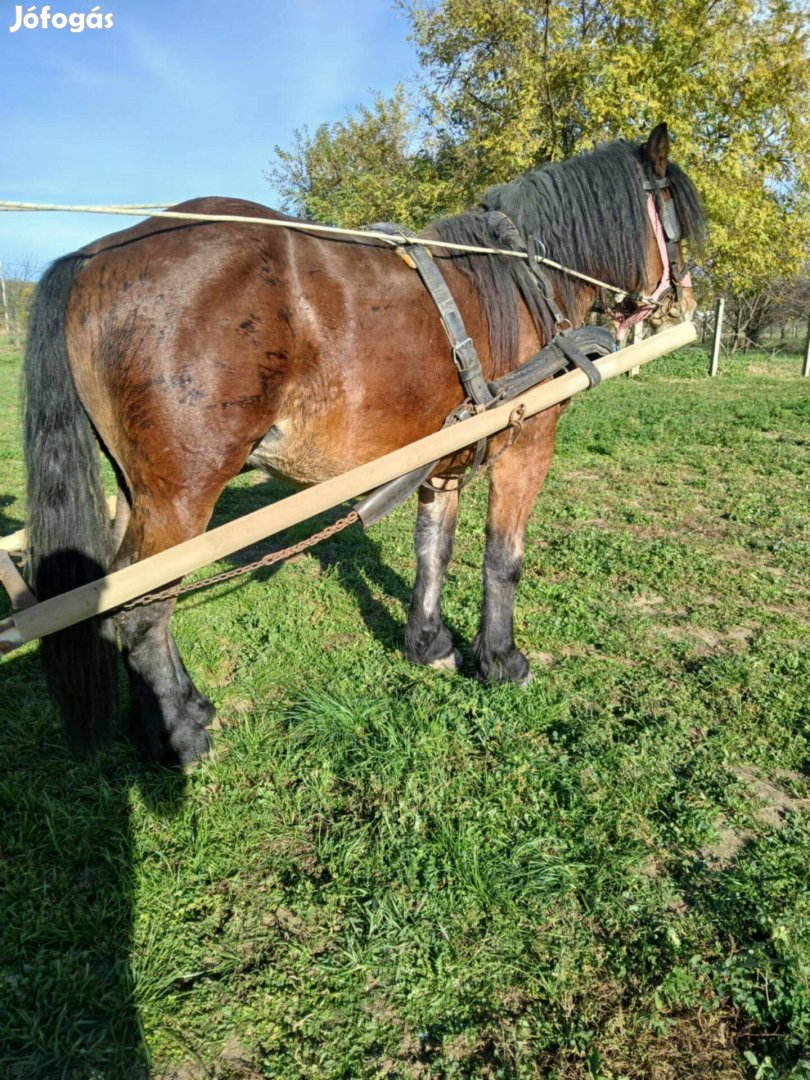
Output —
<point x="515" y="430"/>
<point x="516" y="418"/>
<point x="226" y="575"/>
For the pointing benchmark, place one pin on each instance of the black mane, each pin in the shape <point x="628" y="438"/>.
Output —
<point x="591" y="215"/>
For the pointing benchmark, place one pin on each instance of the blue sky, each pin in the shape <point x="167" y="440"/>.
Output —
<point x="180" y="98"/>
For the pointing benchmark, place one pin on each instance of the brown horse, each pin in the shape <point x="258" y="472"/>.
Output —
<point x="189" y="351"/>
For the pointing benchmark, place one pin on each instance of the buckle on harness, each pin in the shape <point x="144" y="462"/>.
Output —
<point x="458" y="350"/>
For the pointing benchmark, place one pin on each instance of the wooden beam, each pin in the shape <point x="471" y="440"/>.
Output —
<point x="15" y="542"/>
<point x="12" y="581"/>
<point x="153" y="573"/>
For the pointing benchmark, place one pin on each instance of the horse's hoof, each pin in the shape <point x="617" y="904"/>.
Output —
<point x="509" y="667"/>
<point x="451" y="662"/>
<point x="187" y="741"/>
<point x="191" y="744"/>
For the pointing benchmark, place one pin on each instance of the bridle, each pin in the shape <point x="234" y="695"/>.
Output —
<point x="668" y="232"/>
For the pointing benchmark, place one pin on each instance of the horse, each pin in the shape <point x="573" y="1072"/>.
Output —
<point x="189" y="351"/>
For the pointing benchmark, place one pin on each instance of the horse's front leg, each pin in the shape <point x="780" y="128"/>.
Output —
<point x="427" y="639"/>
<point x="516" y="480"/>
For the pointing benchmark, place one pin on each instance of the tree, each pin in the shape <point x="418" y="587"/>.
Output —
<point x="374" y="166"/>
<point x="16" y="295"/>
<point x="509" y="84"/>
<point x="781" y="303"/>
<point x="527" y="81"/>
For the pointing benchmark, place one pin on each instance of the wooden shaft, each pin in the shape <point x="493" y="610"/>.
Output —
<point x="12" y="581"/>
<point x="15" y="542"/>
<point x="153" y="573"/>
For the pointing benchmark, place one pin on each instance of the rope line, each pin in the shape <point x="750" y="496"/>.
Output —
<point x="312" y="227"/>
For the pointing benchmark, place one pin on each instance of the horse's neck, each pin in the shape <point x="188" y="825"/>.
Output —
<point x="585" y="298"/>
<point x="575" y="312"/>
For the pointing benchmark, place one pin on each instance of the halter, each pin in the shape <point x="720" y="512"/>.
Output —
<point x="668" y="232"/>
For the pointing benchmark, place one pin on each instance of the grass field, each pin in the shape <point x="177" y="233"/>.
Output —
<point x="389" y="872"/>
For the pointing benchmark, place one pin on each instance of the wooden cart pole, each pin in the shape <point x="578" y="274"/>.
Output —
<point x="110" y="592"/>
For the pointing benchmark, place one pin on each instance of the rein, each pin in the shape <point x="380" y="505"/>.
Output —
<point x="136" y="210"/>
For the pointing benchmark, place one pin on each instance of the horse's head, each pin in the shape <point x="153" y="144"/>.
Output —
<point x="674" y="214"/>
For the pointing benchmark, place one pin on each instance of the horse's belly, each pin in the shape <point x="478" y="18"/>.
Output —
<point x="294" y="452"/>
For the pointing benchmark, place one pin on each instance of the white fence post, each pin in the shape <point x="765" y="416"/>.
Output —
<point x="719" y="311"/>
<point x="5" y="300"/>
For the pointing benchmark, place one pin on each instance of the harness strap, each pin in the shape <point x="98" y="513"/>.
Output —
<point x="669" y="230"/>
<point x="535" y="251"/>
<point x="465" y="356"/>
<point x="565" y="343"/>
<point x="577" y="346"/>
<point x="480" y="394"/>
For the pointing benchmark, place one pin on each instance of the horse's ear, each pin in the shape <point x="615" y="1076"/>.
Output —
<point x="657" y="149"/>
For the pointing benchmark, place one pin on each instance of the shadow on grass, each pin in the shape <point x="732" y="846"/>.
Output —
<point x="67" y="882"/>
<point x="354" y="554"/>
<point x="8" y="524"/>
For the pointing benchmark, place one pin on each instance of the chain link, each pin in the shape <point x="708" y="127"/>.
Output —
<point x="515" y="430"/>
<point x="227" y="575"/>
<point x="516" y="418"/>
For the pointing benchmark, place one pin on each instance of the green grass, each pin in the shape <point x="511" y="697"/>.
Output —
<point x="384" y="871"/>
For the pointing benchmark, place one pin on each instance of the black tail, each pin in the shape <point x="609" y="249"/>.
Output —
<point x="68" y="530"/>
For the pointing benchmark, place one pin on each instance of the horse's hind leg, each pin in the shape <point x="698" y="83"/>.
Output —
<point x="169" y="712"/>
<point x="517" y="478"/>
<point x="427" y="639"/>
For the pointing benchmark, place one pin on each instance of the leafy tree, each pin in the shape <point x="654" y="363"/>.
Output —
<point x="16" y="296"/>
<point x="783" y="302"/>
<point x="373" y="166"/>
<point x="509" y="84"/>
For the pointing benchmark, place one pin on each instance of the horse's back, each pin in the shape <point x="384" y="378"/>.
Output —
<point x="190" y="342"/>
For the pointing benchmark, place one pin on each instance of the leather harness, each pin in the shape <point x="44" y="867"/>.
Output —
<point x="480" y="394"/>
<point x="569" y="346"/>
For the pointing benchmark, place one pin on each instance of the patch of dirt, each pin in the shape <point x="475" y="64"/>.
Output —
<point x="582" y="474"/>
<point x="796" y="610"/>
<point x="722" y="852"/>
<point x="237" y="1061"/>
<point x="774" y="804"/>
<point x="545" y="659"/>
<point x="741" y="635"/>
<point x="648" y="604"/>
<point x="240" y="706"/>
<point x="234" y="1064"/>
<point x="698" y="1045"/>
<point x="706" y="641"/>
<point x="709" y="527"/>
<point x="188" y="1071"/>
